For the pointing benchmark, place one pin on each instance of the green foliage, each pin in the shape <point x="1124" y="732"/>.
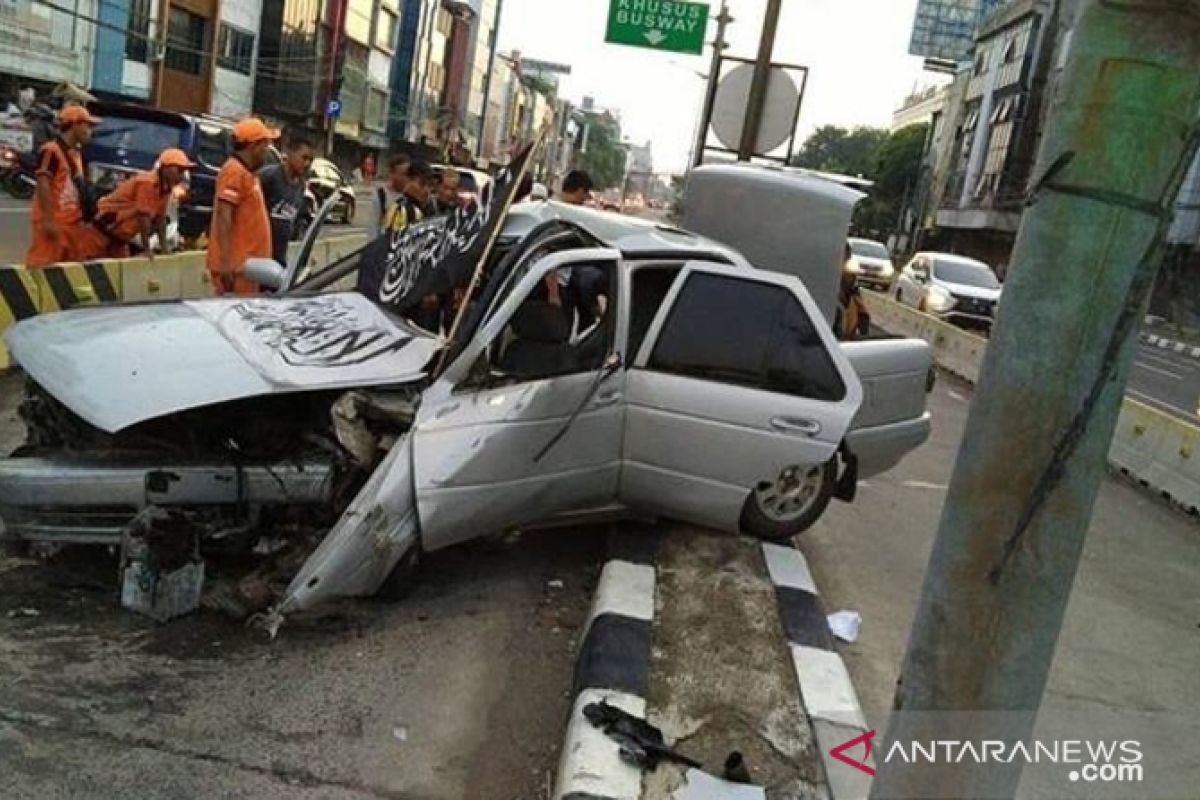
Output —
<point x="834" y="149"/>
<point x="605" y="157"/>
<point x="891" y="161"/>
<point x="895" y="168"/>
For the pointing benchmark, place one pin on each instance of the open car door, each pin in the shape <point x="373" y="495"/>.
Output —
<point x="526" y="423"/>
<point x="739" y="381"/>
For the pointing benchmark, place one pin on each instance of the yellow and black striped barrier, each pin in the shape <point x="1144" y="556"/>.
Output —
<point x="25" y="293"/>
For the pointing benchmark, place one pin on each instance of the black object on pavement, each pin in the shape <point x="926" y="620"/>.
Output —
<point x="736" y="770"/>
<point x="641" y="744"/>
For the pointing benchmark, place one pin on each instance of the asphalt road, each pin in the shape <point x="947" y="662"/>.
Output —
<point x="458" y="691"/>
<point x="1167" y="381"/>
<point x="14" y="226"/>
<point x="1127" y="655"/>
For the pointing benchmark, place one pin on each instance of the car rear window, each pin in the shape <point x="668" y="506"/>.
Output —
<point x="966" y="273"/>
<point x="862" y="247"/>
<point x="137" y="137"/>
<point x="749" y="333"/>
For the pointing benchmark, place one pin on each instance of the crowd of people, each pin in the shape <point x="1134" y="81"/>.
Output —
<point x="256" y="204"/>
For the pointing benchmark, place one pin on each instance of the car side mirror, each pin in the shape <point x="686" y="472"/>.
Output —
<point x="266" y="272"/>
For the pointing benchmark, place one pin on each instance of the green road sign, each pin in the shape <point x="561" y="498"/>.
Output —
<point x="658" y="24"/>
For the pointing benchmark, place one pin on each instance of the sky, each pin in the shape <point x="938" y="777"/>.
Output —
<point x="856" y="51"/>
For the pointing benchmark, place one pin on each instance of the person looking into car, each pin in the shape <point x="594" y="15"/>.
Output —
<point x="63" y="202"/>
<point x="283" y="186"/>
<point x="447" y="201"/>
<point x="386" y="216"/>
<point x="134" y="212"/>
<point x="576" y="188"/>
<point x="418" y="192"/>
<point x="241" y="227"/>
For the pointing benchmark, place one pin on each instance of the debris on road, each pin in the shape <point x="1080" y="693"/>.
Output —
<point x="845" y="625"/>
<point x="162" y="574"/>
<point x="641" y="743"/>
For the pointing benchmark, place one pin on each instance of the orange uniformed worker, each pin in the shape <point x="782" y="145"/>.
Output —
<point x="63" y="194"/>
<point x="136" y="208"/>
<point x="241" y="228"/>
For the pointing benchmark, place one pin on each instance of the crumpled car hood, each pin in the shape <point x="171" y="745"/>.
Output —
<point x="118" y="366"/>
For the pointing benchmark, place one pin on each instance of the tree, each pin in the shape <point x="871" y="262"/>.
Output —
<point x="604" y="160"/>
<point x="895" y="169"/>
<point x="835" y="149"/>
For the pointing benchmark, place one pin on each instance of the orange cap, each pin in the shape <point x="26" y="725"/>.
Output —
<point x="75" y="115"/>
<point x="174" y="157"/>
<point x="253" y="129"/>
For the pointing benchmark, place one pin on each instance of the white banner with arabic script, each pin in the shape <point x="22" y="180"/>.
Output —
<point x="326" y="340"/>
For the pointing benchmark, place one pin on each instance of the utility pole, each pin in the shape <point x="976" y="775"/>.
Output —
<point x="1114" y="151"/>
<point x="164" y="13"/>
<point x="714" y="76"/>
<point x="762" y="80"/>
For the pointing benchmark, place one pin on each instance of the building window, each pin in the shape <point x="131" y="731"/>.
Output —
<point x="137" y="40"/>
<point x="385" y="30"/>
<point x="377" y="109"/>
<point x="235" y="51"/>
<point x="358" y="20"/>
<point x="187" y="35"/>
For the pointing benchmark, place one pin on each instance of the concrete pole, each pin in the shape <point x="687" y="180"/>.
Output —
<point x="761" y="82"/>
<point x="1120" y="137"/>
<point x="714" y="77"/>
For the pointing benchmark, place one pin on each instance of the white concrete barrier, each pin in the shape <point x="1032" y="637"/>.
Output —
<point x="1159" y="451"/>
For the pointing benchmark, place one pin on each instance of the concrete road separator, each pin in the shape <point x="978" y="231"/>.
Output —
<point x="1151" y="447"/>
<point x="613" y="666"/>
<point x="1173" y="345"/>
<point x="828" y="694"/>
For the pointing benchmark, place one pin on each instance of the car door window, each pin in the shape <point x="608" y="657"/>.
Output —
<point x="747" y="333"/>
<point x="212" y="145"/>
<point x="651" y="285"/>
<point x="559" y="329"/>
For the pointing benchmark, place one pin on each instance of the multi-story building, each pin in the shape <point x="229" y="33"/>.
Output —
<point x="42" y="45"/>
<point x="294" y="68"/>
<point x="920" y="107"/>
<point x="315" y="52"/>
<point x="173" y="66"/>
<point x="442" y="80"/>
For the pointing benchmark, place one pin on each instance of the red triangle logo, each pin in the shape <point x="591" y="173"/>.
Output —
<point x="839" y="752"/>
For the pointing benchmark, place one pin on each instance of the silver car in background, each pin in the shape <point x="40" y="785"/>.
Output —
<point x="955" y="288"/>
<point x="871" y="263"/>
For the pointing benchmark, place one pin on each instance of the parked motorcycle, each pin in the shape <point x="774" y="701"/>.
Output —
<point x="15" y="177"/>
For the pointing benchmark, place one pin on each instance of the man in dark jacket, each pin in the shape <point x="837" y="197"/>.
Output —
<point x="283" y="186"/>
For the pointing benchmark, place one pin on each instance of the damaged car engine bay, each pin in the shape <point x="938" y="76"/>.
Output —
<point x="249" y="488"/>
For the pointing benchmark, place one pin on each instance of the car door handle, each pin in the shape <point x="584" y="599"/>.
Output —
<point x="806" y="427"/>
<point x="607" y="398"/>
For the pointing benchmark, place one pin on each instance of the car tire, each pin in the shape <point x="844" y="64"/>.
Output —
<point x="403" y="577"/>
<point x="767" y="515"/>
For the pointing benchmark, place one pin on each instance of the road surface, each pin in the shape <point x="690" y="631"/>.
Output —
<point x="1130" y="640"/>
<point x="458" y="691"/>
<point x="1167" y="381"/>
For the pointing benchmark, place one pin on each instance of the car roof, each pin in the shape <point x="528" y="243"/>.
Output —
<point x="954" y="258"/>
<point x="636" y="238"/>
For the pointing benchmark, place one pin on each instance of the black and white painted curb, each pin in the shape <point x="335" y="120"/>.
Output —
<point x="1173" y="345"/>
<point x="825" y="686"/>
<point x="613" y="665"/>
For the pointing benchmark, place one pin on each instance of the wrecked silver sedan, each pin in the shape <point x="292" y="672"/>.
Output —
<point x="313" y="431"/>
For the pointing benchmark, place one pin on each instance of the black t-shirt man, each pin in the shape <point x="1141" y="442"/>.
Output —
<point x="283" y="187"/>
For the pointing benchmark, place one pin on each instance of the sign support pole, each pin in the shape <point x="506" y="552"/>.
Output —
<point x="714" y="77"/>
<point x="762" y="78"/>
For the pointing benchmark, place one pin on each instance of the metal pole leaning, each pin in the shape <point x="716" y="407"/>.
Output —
<point x="1114" y="151"/>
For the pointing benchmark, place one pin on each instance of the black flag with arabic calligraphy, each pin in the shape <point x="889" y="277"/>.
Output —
<point x="440" y="254"/>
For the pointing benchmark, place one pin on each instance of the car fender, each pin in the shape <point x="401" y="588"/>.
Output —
<point x="376" y="530"/>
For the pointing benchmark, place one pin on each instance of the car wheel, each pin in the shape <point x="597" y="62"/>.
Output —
<point x="789" y="505"/>
<point x="402" y="578"/>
